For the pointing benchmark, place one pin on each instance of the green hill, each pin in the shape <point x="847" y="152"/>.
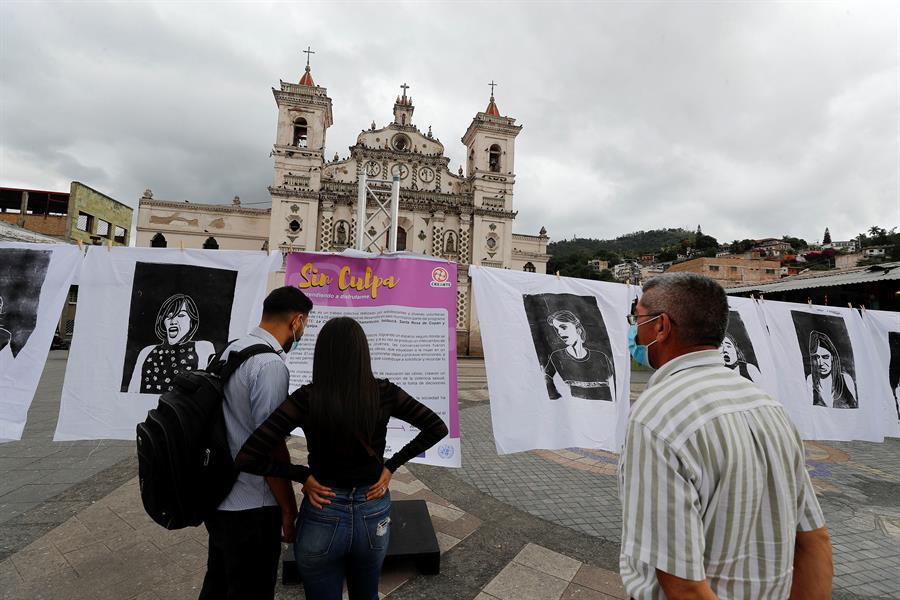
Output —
<point x="570" y="257"/>
<point x="630" y="244"/>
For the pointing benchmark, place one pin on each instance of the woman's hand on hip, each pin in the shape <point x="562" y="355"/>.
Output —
<point x="380" y="487"/>
<point x="316" y="493"/>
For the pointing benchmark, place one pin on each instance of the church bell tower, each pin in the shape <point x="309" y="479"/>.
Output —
<point x="304" y="116"/>
<point x="490" y="167"/>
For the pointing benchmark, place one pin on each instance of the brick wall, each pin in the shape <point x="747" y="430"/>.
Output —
<point x="46" y="224"/>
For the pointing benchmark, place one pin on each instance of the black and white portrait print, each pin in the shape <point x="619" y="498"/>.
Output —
<point x="179" y="320"/>
<point x="827" y="359"/>
<point x="22" y="274"/>
<point x="894" y="367"/>
<point x="737" y="349"/>
<point x="572" y="345"/>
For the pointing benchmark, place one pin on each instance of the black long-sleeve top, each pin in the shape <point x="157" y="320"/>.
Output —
<point x="340" y="463"/>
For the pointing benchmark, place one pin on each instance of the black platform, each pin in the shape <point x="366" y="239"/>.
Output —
<point x="412" y="538"/>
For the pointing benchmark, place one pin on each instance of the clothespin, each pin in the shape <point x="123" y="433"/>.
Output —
<point x="809" y="301"/>
<point x="557" y="274"/>
<point x="181" y="245"/>
<point x="762" y="297"/>
<point x="109" y="245"/>
<point x="80" y="245"/>
<point x="850" y="305"/>
<point x="862" y="307"/>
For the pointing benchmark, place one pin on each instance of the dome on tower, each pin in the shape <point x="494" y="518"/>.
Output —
<point x="492" y="108"/>
<point x="307" y="78"/>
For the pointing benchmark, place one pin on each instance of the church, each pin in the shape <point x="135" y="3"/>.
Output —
<point x="464" y="216"/>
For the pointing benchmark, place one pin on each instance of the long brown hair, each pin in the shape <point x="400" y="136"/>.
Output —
<point x="344" y="400"/>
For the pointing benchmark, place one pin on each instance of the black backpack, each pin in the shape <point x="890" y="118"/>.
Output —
<point x="185" y="466"/>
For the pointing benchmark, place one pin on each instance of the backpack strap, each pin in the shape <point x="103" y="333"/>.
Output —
<point x="226" y="368"/>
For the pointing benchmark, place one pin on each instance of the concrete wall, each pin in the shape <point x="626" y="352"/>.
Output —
<point x="83" y="199"/>
<point x="729" y="270"/>
<point x="529" y="249"/>
<point x="233" y="227"/>
<point x="847" y="261"/>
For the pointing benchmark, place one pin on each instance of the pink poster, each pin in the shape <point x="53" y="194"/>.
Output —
<point x="407" y="307"/>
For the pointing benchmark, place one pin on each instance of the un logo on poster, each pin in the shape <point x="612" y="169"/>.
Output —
<point x="440" y="277"/>
<point x="445" y="451"/>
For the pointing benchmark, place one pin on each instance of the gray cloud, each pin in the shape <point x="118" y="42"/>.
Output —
<point x="752" y="119"/>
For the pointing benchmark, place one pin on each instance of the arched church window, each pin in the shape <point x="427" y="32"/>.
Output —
<point x="401" y="238"/>
<point x="158" y="241"/>
<point x="294" y="225"/>
<point x="494" y="158"/>
<point x="300" y="132"/>
<point x="211" y="243"/>
<point x="528" y="268"/>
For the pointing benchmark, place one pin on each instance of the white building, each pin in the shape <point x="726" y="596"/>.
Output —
<point x="875" y="252"/>
<point x="846" y="246"/>
<point x="164" y="223"/>
<point x="628" y="272"/>
<point x="464" y="216"/>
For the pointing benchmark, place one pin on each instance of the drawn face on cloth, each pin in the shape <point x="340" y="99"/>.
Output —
<point x="567" y="332"/>
<point x="177" y="324"/>
<point x="823" y="360"/>
<point x="729" y="352"/>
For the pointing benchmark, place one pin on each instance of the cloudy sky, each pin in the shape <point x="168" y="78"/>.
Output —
<point x="752" y="119"/>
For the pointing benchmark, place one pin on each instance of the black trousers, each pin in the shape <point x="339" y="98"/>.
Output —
<point x="244" y="548"/>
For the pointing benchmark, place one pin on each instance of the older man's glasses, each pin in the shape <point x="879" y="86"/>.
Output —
<point x="633" y="319"/>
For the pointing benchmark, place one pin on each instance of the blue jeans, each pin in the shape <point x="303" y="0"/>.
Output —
<point x="347" y="539"/>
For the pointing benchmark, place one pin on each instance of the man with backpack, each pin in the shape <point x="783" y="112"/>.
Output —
<point x="246" y="531"/>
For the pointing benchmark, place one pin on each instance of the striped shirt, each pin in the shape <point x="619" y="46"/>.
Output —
<point x="713" y="484"/>
<point x="256" y="389"/>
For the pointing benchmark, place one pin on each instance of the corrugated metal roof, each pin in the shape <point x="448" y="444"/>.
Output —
<point x="882" y="272"/>
<point x="14" y="233"/>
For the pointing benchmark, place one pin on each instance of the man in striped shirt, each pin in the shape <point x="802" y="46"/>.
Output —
<point x="716" y="499"/>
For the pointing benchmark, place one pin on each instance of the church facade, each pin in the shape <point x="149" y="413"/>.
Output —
<point x="466" y="217"/>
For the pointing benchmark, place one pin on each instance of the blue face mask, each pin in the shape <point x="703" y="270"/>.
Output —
<point x="296" y="341"/>
<point x="640" y="352"/>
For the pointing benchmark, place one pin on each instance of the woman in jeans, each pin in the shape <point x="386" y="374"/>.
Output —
<point x="344" y="523"/>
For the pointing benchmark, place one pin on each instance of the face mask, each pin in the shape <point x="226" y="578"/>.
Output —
<point x="639" y="352"/>
<point x="295" y="343"/>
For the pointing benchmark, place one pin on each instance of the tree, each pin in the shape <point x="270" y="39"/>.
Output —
<point x="606" y="275"/>
<point x="826" y="238"/>
<point x="739" y="247"/>
<point x="667" y="254"/>
<point x="796" y="243"/>
<point x="878" y="234"/>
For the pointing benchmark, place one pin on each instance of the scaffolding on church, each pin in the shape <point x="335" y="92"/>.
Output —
<point x="387" y="204"/>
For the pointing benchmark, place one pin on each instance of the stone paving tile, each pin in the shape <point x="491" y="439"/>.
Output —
<point x="518" y="582"/>
<point x="112" y="549"/>
<point x="858" y="485"/>
<point x="548" y="561"/>
<point x="600" y="580"/>
<point x="35" y="468"/>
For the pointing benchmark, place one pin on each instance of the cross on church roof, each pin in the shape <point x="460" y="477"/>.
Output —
<point x="404" y="87"/>
<point x="309" y="51"/>
<point x="493" y="85"/>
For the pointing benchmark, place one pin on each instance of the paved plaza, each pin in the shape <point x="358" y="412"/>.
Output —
<point x="536" y="525"/>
